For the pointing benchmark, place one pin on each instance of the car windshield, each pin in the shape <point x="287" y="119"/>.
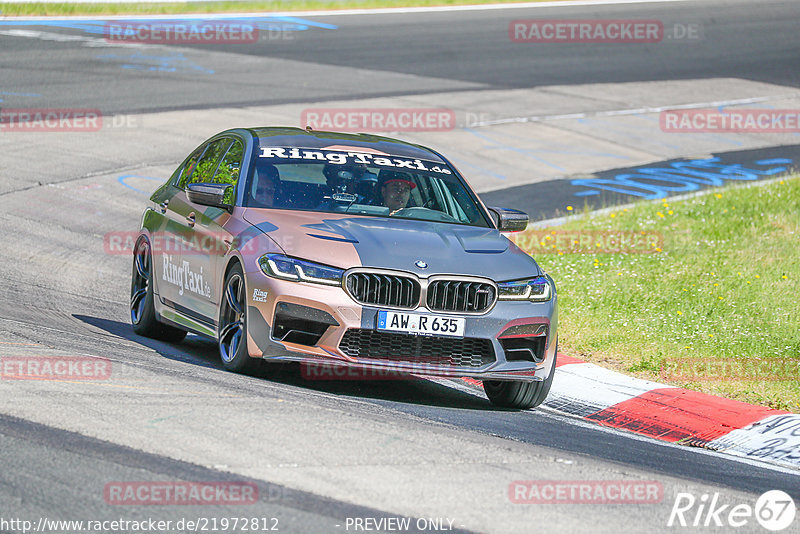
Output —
<point x="360" y="183"/>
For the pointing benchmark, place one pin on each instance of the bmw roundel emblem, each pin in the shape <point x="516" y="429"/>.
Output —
<point x="421" y="264"/>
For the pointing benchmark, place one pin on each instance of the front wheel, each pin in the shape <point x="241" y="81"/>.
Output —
<point x="519" y="395"/>
<point x="233" y="325"/>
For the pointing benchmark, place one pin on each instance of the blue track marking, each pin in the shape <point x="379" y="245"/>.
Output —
<point x="122" y="179"/>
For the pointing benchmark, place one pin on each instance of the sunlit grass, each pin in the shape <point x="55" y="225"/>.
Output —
<point x="171" y="8"/>
<point x="724" y="290"/>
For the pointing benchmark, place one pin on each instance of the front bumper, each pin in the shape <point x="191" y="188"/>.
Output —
<point x="322" y="325"/>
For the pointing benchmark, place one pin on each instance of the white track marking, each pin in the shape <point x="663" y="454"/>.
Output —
<point x="631" y="111"/>
<point x="96" y="42"/>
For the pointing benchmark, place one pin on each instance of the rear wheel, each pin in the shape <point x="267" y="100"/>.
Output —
<point x="143" y="313"/>
<point x="519" y="395"/>
<point x="233" y="325"/>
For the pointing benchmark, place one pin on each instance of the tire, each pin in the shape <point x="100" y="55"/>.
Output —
<point x="519" y="395"/>
<point x="143" y="312"/>
<point x="232" y="337"/>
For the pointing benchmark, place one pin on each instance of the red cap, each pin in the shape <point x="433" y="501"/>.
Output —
<point x="411" y="184"/>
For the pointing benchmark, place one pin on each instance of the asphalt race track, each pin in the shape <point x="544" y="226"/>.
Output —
<point x="531" y="121"/>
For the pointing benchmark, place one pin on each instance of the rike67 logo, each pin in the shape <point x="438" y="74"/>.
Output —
<point x="774" y="510"/>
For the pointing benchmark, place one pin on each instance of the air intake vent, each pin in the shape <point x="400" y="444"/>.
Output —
<point x="421" y="350"/>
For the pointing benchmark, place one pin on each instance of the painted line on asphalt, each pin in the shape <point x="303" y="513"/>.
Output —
<point x="631" y="111"/>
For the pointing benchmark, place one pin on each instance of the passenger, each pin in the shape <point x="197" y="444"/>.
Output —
<point x="267" y="180"/>
<point x="343" y="178"/>
<point x="348" y="185"/>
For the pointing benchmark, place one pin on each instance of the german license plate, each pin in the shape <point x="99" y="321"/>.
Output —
<point x="420" y="324"/>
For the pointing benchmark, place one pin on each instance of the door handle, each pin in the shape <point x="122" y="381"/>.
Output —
<point x="191" y="219"/>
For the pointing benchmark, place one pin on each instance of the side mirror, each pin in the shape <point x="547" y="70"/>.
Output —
<point x="509" y="220"/>
<point x="207" y="194"/>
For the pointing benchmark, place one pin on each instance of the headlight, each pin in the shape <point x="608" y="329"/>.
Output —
<point x="539" y="289"/>
<point x="286" y="268"/>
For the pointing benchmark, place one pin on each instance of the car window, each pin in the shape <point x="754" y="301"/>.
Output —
<point x="188" y="167"/>
<point x="362" y="184"/>
<point x="229" y="168"/>
<point x="204" y="171"/>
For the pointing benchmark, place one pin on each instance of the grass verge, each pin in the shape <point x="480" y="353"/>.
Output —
<point x="703" y="293"/>
<point x="174" y="8"/>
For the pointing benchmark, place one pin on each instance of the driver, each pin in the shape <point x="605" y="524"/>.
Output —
<point x="395" y="189"/>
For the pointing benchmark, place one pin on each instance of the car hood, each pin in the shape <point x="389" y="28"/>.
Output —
<point x="352" y="241"/>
